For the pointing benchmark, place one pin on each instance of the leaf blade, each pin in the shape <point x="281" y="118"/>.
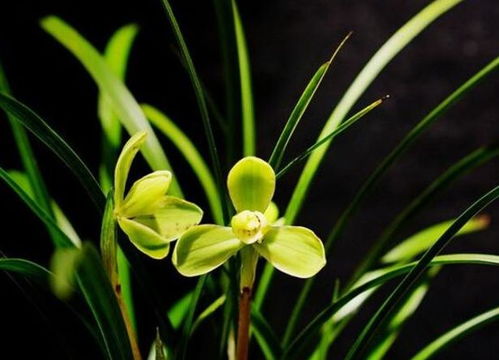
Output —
<point x="123" y="102"/>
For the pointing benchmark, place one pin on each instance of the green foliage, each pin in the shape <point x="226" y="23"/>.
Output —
<point x="151" y="214"/>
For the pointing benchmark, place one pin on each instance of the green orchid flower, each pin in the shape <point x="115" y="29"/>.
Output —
<point x="147" y="215"/>
<point x="294" y="250"/>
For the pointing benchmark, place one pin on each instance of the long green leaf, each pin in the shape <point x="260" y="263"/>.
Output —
<point x="61" y="220"/>
<point x="422" y="240"/>
<point x="198" y="91"/>
<point x="116" y="55"/>
<point x="214" y="306"/>
<point x="292" y="351"/>
<point x="228" y="47"/>
<point x="125" y="106"/>
<point x="28" y="159"/>
<point x="191" y="154"/>
<point x="426" y="237"/>
<point x="383" y="56"/>
<point x="178" y="312"/>
<point x="94" y="284"/>
<point x="189" y="321"/>
<point x="404" y="312"/>
<point x="49" y="137"/>
<point x="367" y="75"/>
<point x="26" y="268"/>
<point x="61" y="239"/>
<point x="340" y="129"/>
<point x="247" y="106"/>
<point x="457" y="333"/>
<point x="407" y="283"/>
<point x="460" y="168"/>
<point x="300" y="108"/>
<point x="265" y="336"/>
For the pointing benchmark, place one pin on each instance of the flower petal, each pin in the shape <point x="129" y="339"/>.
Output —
<point x="251" y="183"/>
<point x="145" y="239"/>
<point x="204" y="248"/>
<point x="123" y="164"/>
<point x="146" y="193"/>
<point x="272" y="213"/>
<point x="172" y="217"/>
<point x="294" y="250"/>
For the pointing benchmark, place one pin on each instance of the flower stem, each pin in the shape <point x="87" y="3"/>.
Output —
<point x="243" y="324"/>
<point x="249" y="259"/>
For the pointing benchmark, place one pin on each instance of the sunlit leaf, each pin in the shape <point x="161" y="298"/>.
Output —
<point x="125" y="106"/>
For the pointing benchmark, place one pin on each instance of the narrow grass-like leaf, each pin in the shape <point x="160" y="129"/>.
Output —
<point x="460" y="168"/>
<point x="210" y="102"/>
<point x="292" y="351"/>
<point x="61" y="240"/>
<point x="228" y="47"/>
<point x="191" y="154"/>
<point x="340" y="129"/>
<point x="116" y="55"/>
<point x="265" y="336"/>
<point x="189" y="321"/>
<point x="198" y="91"/>
<point x="456" y="334"/>
<point x="28" y="159"/>
<point x="27" y="268"/>
<point x="125" y="106"/>
<point x="383" y="56"/>
<point x="179" y="310"/>
<point x="94" y="284"/>
<point x="61" y="220"/>
<point x="408" y="282"/>
<point x="404" y="145"/>
<point x="300" y="108"/>
<point x="402" y="315"/>
<point x="426" y="236"/>
<point x="49" y="137"/>
<point x="421" y="241"/>
<point x="214" y="306"/>
<point x="247" y="106"/>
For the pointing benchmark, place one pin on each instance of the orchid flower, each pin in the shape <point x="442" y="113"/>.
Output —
<point x="147" y="215"/>
<point x="294" y="250"/>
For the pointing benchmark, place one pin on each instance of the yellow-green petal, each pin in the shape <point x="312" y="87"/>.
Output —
<point x="251" y="183"/>
<point x="272" y="213"/>
<point x="123" y="164"/>
<point x="144" y="238"/>
<point x="203" y="248"/>
<point x="294" y="250"/>
<point x="145" y="194"/>
<point x="172" y="217"/>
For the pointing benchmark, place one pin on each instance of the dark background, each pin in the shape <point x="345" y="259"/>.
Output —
<point x="288" y="40"/>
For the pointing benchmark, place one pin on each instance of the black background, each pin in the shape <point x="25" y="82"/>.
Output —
<point x="288" y="40"/>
